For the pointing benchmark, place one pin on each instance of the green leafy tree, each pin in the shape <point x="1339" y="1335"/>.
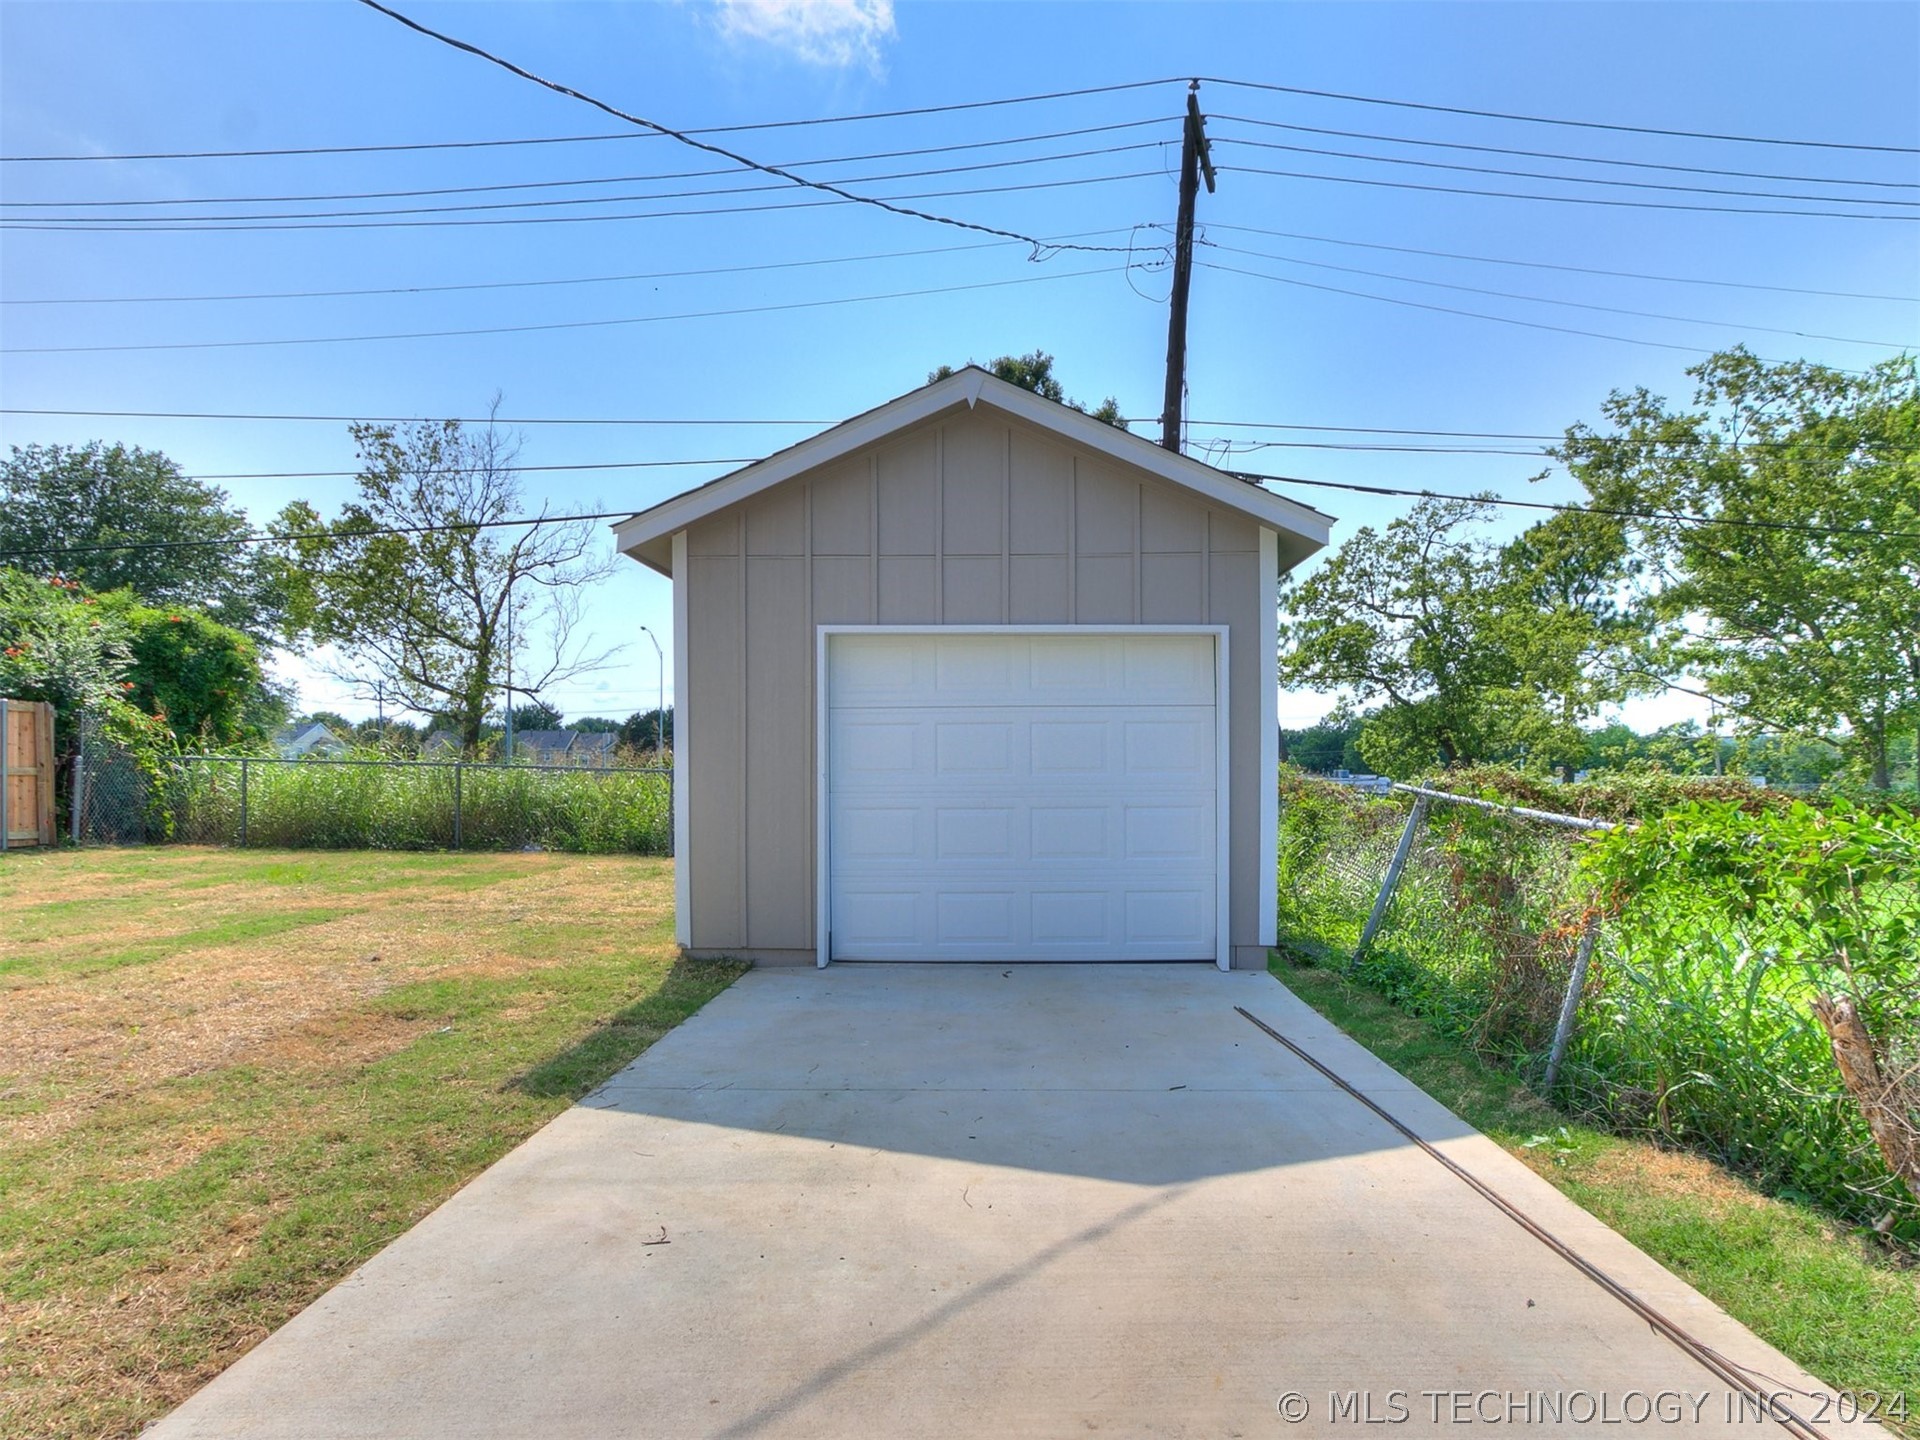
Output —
<point x="56" y="501"/>
<point x="427" y="613"/>
<point x="644" y="729"/>
<point x="594" y="725"/>
<point x="201" y="678"/>
<point x="1035" y="372"/>
<point x="536" y="715"/>
<point x="1323" y="747"/>
<point x="1462" y="650"/>
<point x="1799" y="629"/>
<point x="58" y="646"/>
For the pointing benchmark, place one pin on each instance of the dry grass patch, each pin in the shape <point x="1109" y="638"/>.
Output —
<point x="228" y="1077"/>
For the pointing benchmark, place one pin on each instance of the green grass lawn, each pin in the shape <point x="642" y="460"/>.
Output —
<point x="226" y="1078"/>
<point x="1841" y="1303"/>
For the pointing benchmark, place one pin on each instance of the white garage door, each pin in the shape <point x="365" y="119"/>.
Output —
<point x="1009" y="797"/>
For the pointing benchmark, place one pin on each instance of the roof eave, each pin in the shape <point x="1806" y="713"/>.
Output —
<point x="647" y="536"/>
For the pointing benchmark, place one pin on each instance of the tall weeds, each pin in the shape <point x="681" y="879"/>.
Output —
<point x="319" y="805"/>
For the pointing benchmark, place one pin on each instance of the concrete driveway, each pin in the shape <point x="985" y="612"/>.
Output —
<point x="897" y="1201"/>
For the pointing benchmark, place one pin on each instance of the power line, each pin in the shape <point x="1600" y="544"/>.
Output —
<point x="499" y="469"/>
<point x="1574" y="304"/>
<point x="559" y="324"/>
<point x="1552" y="199"/>
<point x="168" y="222"/>
<point x="684" y="138"/>
<point x="617" y="135"/>
<point x="1553" y="120"/>
<point x="1562" y="179"/>
<point x="397" y="419"/>
<point x="1561" y="155"/>
<point x="187" y="224"/>
<point x="1451" y="310"/>
<point x="1669" y="517"/>
<point x="522" y="522"/>
<point x="1570" y="269"/>
<point x="627" y="421"/>
<point x="538" y="284"/>
<point x="594" y="180"/>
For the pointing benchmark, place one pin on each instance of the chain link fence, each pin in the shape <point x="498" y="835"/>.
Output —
<point x="1672" y="1019"/>
<point x="354" y="804"/>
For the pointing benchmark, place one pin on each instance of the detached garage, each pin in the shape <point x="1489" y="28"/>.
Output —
<point x="975" y="677"/>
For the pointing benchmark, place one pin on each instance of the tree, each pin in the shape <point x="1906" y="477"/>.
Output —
<point x="57" y="500"/>
<point x="1470" y="651"/>
<point x="647" y="729"/>
<point x="535" y="715"/>
<point x="439" y="612"/>
<point x="1797" y="629"/>
<point x="201" y="678"/>
<point x="1327" y="745"/>
<point x="594" y="725"/>
<point x="1035" y="372"/>
<point x="57" y="646"/>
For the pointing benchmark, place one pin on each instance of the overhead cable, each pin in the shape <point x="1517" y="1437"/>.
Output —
<point x="616" y="135"/>
<point x="560" y="324"/>
<point x="1551" y="199"/>
<point x="1563" y="156"/>
<point x="1550" y="265"/>
<point x="1560" y="178"/>
<point x="1558" y="120"/>
<point x="597" y="179"/>
<point x="1572" y="304"/>
<point x="1039" y="246"/>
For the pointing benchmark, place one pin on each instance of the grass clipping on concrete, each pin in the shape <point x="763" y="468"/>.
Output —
<point x="1840" y="1301"/>
<point x="227" y="1078"/>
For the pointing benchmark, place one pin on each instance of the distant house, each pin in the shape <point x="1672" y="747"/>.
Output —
<point x="315" y="740"/>
<point x="565" y="747"/>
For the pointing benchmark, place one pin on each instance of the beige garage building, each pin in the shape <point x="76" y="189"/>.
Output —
<point x="975" y="677"/>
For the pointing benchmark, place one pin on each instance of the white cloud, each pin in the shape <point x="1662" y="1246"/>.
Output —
<point x="821" y="32"/>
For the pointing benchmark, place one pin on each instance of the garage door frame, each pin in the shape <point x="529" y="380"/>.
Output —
<point x="1223" y="794"/>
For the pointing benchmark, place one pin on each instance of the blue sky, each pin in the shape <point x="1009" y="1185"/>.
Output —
<point x="91" y="79"/>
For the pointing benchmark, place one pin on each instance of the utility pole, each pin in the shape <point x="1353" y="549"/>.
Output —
<point x="1195" y="157"/>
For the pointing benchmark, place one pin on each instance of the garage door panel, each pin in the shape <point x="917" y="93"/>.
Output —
<point x="1001" y="797"/>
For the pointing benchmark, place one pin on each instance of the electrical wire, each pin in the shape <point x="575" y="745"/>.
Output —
<point x="1800" y="445"/>
<point x="616" y="135"/>
<point x="1561" y="155"/>
<point x="1550" y="199"/>
<point x="165" y="222"/>
<point x="397" y="419"/>
<point x="539" y="284"/>
<point x="1252" y="477"/>
<point x="1573" y="304"/>
<point x="1039" y="246"/>
<point x="1553" y="120"/>
<point x="190" y="224"/>
<point x="1557" y="179"/>
<point x="558" y="324"/>
<point x="1549" y="265"/>
<point x="594" y="180"/>
<point x="1453" y="310"/>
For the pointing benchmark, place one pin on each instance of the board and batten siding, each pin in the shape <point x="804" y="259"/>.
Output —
<point x="976" y="519"/>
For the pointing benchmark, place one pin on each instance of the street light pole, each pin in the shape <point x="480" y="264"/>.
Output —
<point x="660" y="709"/>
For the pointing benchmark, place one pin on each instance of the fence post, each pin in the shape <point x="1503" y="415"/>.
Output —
<point x="6" y="785"/>
<point x="1391" y="881"/>
<point x="77" y="796"/>
<point x="243" y="804"/>
<point x="456" y="804"/>
<point x="1570" y="1003"/>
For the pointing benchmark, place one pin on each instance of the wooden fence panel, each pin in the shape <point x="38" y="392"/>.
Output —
<point x="26" y="774"/>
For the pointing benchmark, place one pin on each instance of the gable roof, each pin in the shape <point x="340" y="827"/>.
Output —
<point x="648" y="536"/>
